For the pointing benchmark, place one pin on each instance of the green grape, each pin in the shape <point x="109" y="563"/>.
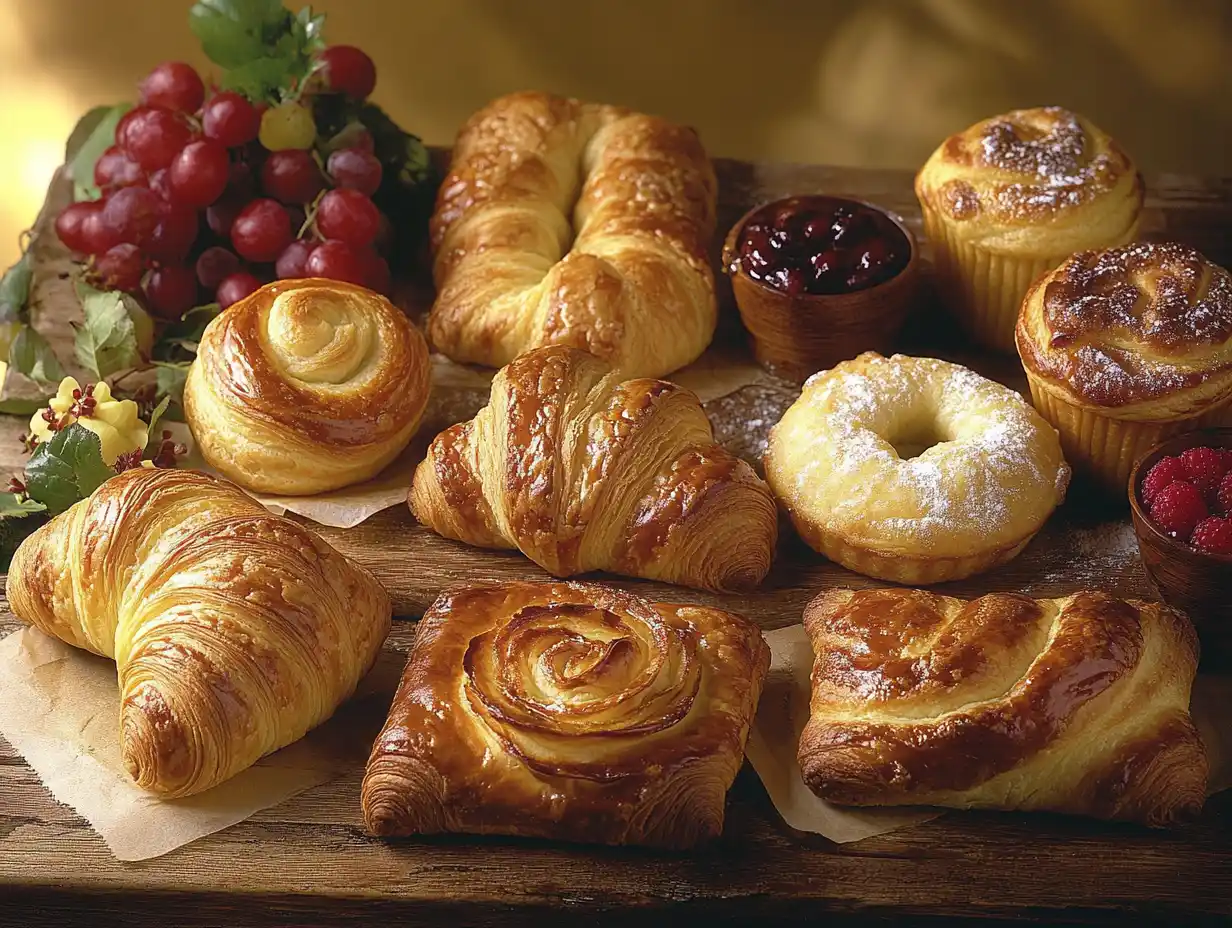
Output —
<point x="287" y="126"/>
<point x="8" y="330"/>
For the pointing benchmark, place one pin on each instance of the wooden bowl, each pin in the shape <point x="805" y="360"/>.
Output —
<point x="796" y="336"/>
<point x="1200" y="584"/>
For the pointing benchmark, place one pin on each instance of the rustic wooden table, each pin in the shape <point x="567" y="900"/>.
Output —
<point x="309" y="862"/>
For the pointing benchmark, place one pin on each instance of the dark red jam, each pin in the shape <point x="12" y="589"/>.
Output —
<point x="822" y="246"/>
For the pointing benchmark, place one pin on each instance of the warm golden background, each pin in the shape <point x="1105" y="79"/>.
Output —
<point x="874" y="82"/>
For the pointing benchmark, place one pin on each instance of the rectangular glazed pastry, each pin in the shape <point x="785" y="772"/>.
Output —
<point x="568" y="711"/>
<point x="1078" y="704"/>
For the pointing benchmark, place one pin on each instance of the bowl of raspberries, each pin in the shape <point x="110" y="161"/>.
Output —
<point x="1180" y="494"/>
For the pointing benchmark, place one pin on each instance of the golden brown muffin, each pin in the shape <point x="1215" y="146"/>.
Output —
<point x="1010" y="198"/>
<point x="1125" y="347"/>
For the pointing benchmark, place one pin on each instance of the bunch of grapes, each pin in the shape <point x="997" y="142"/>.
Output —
<point x="206" y="199"/>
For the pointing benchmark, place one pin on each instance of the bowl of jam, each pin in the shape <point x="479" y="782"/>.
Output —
<point x="819" y="279"/>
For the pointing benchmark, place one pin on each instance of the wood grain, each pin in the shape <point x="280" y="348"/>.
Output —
<point x="308" y="861"/>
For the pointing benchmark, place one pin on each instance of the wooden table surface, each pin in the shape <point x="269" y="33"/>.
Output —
<point x="309" y="862"/>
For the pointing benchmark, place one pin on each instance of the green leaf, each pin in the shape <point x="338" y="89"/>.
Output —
<point x="101" y="137"/>
<point x="107" y="341"/>
<point x="170" y="377"/>
<point x="185" y="333"/>
<point x="31" y="354"/>
<point x="14" y="530"/>
<point x="234" y="32"/>
<point x="155" y="417"/>
<point x="66" y="469"/>
<point x="83" y="130"/>
<point x="19" y="407"/>
<point x="259" y="79"/>
<point x="13" y="505"/>
<point x="15" y="290"/>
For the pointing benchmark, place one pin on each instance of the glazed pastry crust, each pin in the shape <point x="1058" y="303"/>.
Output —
<point x="1142" y="332"/>
<point x="1036" y="182"/>
<point x="234" y="632"/>
<point x="582" y="470"/>
<point x="306" y="386"/>
<point x="567" y="711"/>
<point x="989" y="475"/>
<point x="569" y="223"/>
<point x="1078" y="704"/>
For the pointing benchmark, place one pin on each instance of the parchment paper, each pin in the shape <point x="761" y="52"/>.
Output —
<point x="59" y="707"/>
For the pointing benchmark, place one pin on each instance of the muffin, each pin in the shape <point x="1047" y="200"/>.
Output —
<point x="1011" y="198"/>
<point x="1125" y="347"/>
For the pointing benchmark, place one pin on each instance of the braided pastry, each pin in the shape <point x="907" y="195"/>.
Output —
<point x="568" y="711"/>
<point x="234" y="632"/>
<point x="581" y="470"/>
<point x="1078" y="704"/>
<point x="1010" y="198"/>
<point x="568" y="223"/>
<point x="1125" y="347"/>
<point x="306" y="386"/>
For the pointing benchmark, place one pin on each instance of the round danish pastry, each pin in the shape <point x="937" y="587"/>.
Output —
<point x="914" y="470"/>
<point x="306" y="386"/>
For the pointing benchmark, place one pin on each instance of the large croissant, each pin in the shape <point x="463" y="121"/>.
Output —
<point x="581" y="471"/>
<point x="568" y="223"/>
<point x="234" y="632"/>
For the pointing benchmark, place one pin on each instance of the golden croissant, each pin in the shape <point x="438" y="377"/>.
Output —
<point x="581" y="470"/>
<point x="306" y="386"/>
<point x="234" y="632"/>
<point x="1078" y="704"/>
<point x="569" y="223"/>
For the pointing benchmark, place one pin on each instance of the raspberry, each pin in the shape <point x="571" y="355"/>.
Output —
<point x="1214" y="536"/>
<point x="1178" y="508"/>
<point x="1203" y="467"/>
<point x="1225" y="494"/>
<point x="1165" y="471"/>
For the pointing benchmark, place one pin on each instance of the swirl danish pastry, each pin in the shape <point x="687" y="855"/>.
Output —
<point x="306" y="386"/>
<point x="1078" y="704"/>
<point x="581" y="470"/>
<point x="568" y="711"/>
<point x="234" y="632"/>
<point x="1125" y="347"/>
<point x="569" y="223"/>
<point x="1010" y="198"/>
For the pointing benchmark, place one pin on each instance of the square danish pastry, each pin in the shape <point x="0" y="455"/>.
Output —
<point x="568" y="711"/>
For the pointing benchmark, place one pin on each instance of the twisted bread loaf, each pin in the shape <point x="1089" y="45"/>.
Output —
<point x="568" y="223"/>
<point x="234" y="632"/>
<point x="1078" y="704"/>
<point x="581" y="470"/>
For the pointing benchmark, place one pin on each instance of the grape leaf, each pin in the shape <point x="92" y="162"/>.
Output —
<point x="235" y="32"/>
<point x="16" y="406"/>
<point x="30" y="354"/>
<point x="153" y="436"/>
<point x="107" y="341"/>
<point x="170" y="379"/>
<point x="66" y="469"/>
<point x="181" y="337"/>
<point x="13" y="505"/>
<point x="101" y="137"/>
<point x="14" y="529"/>
<point x="15" y="289"/>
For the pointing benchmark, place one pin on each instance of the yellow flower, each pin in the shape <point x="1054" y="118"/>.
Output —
<point x="115" y="422"/>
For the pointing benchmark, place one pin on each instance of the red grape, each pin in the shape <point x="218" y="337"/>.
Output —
<point x="241" y="183"/>
<point x="229" y="118"/>
<point x="235" y="288"/>
<point x="376" y="271"/>
<point x="132" y="213"/>
<point x="336" y="260"/>
<point x="70" y="222"/>
<point x="120" y="268"/>
<point x="348" y="70"/>
<point x="293" y="262"/>
<point x="348" y="215"/>
<point x="96" y="235"/>
<point x="220" y="215"/>
<point x="200" y="172"/>
<point x="291" y="176"/>
<point x="115" y="169"/>
<point x="171" y="290"/>
<point x="215" y="265"/>
<point x="175" y="233"/>
<point x="160" y="183"/>
<point x="261" y="231"/>
<point x="153" y="135"/>
<point x="175" y="85"/>
<point x="355" y="168"/>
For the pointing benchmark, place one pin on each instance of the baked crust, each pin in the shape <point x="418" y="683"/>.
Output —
<point x="570" y="223"/>
<point x="1078" y="704"/>
<point x="567" y="711"/>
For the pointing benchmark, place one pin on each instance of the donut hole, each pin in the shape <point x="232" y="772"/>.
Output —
<point x="916" y="438"/>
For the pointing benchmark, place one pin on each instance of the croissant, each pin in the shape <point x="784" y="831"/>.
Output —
<point x="581" y="470"/>
<point x="234" y="632"/>
<point x="306" y="386"/>
<point x="567" y="711"/>
<point x="1078" y="704"/>
<point x="568" y="223"/>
